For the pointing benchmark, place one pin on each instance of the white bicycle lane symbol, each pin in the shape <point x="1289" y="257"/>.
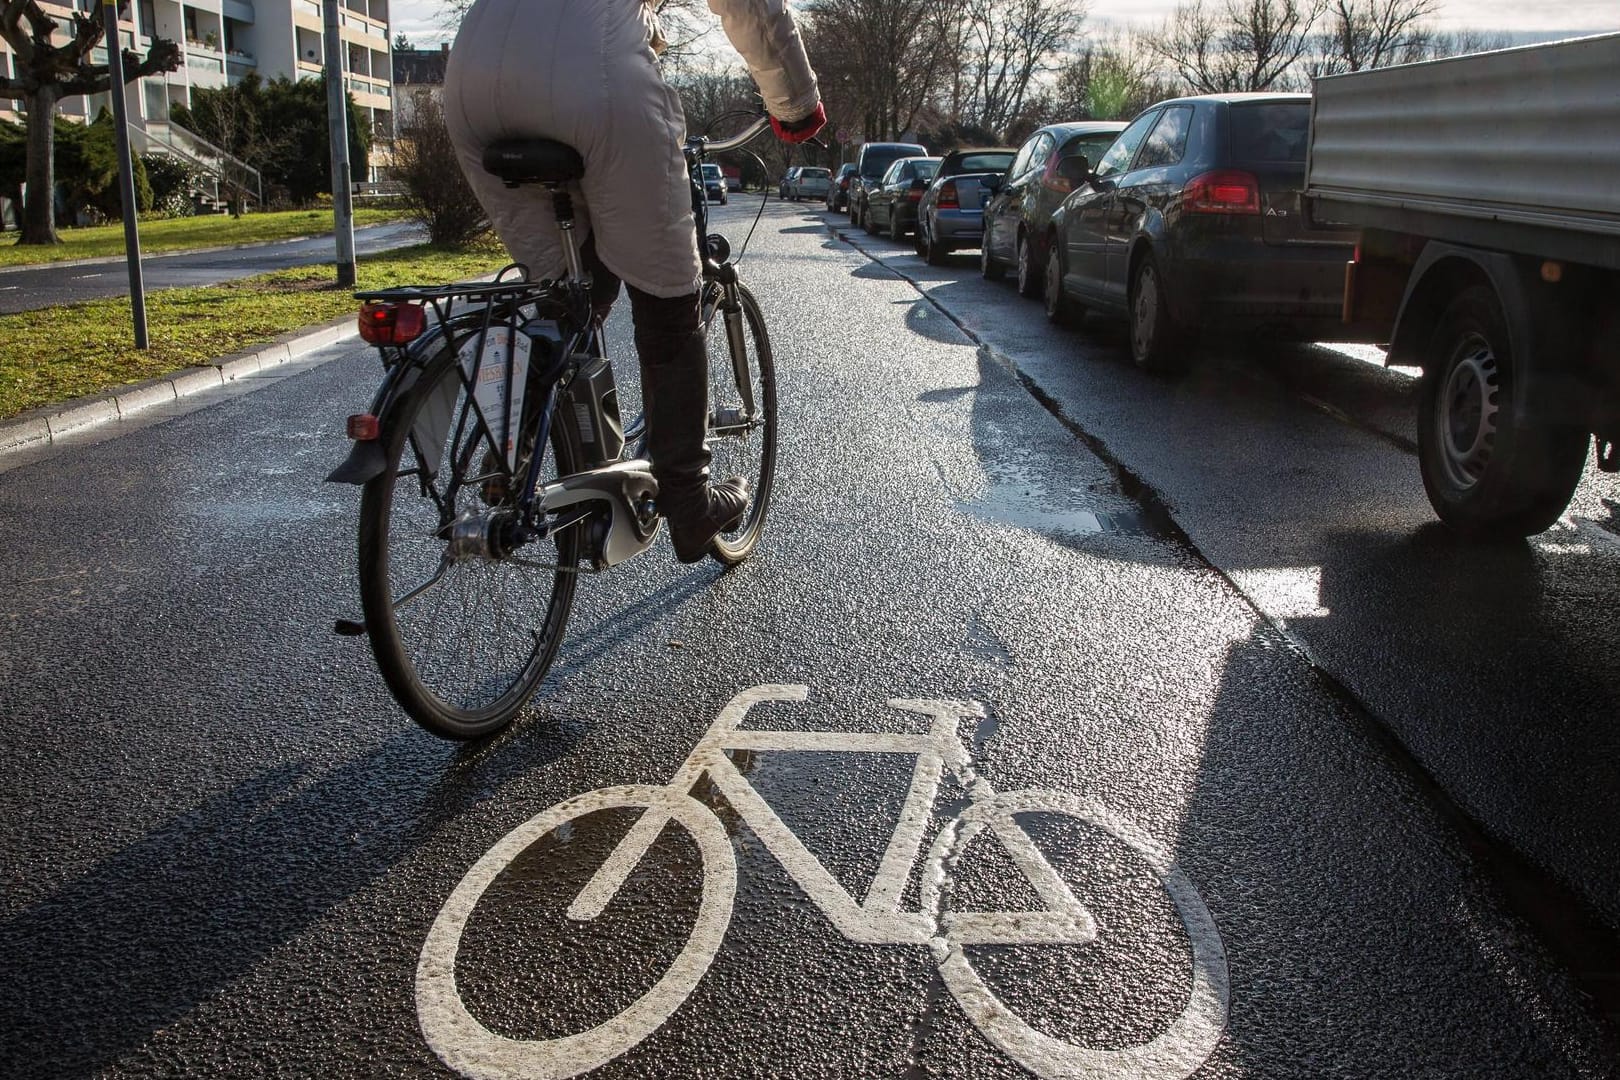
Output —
<point x="473" y="1050"/>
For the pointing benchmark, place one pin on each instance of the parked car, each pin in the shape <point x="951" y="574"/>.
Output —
<point x="951" y="212"/>
<point x="787" y="182"/>
<point x="838" y="189"/>
<point x="1018" y="217"/>
<point x="810" y="183"/>
<point x="870" y="165"/>
<point x="733" y="176"/>
<point x="714" y="184"/>
<point x="1192" y="220"/>
<point x="892" y="205"/>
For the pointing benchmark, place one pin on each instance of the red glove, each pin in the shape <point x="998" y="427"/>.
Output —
<point x="799" y="131"/>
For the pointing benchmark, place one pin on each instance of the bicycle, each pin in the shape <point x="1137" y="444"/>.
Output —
<point x="496" y="468"/>
<point x="467" y="1046"/>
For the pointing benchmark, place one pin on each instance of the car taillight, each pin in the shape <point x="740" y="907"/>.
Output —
<point x="948" y="199"/>
<point x="1225" y="191"/>
<point x="843" y="185"/>
<point x="392" y="324"/>
<point x="1051" y="181"/>
<point x="914" y="194"/>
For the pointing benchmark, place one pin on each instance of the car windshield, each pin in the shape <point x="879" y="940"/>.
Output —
<point x="1271" y="131"/>
<point x="986" y="162"/>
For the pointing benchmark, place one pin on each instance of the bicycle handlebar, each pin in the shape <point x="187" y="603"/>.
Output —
<point x="720" y="146"/>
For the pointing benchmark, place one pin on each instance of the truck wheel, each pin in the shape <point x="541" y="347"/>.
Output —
<point x="1490" y="469"/>
<point x="1158" y="342"/>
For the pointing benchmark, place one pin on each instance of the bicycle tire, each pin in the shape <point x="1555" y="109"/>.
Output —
<point x="751" y="453"/>
<point x="1179" y="1050"/>
<point x="471" y="1049"/>
<point x="396" y="531"/>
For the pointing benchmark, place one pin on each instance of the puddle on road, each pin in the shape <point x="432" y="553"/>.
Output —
<point x="1023" y="498"/>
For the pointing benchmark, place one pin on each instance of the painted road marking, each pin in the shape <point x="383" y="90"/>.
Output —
<point x="86" y="277"/>
<point x="464" y="1044"/>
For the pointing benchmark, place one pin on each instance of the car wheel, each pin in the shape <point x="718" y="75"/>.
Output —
<point x="934" y="251"/>
<point x="989" y="269"/>
<point x="919" y="236"/>
<point x="1059" y="308"/>
<point x="1491" y="467"/>
<point x="897" y="232"/>
<point x="1029" y="275"/>
<point x="866" y="219"/>
<point x="1158" y="342"/>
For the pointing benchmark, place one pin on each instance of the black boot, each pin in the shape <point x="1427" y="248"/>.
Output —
<point x="675" y="394"/>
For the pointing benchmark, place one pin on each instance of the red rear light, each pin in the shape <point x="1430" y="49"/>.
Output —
<point x="843" y="185"/>
<point x="1226" y="191"/>
<point x="947" y="196"/>
<point x="392" y="324"/>
<point x="363" y="427"/>
<point x="914" y="194"/>
<point x="1051" y="181"/>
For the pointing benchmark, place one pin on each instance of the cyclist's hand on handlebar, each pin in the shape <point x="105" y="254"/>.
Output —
<point x="798" y="131"/>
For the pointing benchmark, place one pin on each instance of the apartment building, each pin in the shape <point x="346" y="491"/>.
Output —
<point x="223" y="40"/>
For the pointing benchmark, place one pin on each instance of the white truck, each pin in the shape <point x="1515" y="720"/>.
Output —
<point x="1486" y="190"/>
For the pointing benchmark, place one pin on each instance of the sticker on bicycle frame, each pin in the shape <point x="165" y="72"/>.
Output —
<point x="504" y="365"/>
<point x="464" y="1044"/>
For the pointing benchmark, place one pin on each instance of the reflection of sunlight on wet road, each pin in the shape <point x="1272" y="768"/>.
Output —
<point x="1284" y="592"/>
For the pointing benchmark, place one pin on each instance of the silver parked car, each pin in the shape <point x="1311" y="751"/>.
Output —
<point x="809" y="182"/>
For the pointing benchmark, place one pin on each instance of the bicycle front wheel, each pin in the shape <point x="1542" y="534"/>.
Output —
<point x="742" y="411"/>
<point x="463" y="621"/>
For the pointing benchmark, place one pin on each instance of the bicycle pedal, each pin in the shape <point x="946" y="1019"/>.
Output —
<point x="349" y="628"/>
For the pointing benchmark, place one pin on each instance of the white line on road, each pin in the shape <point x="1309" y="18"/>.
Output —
<point x="81" y="277"/>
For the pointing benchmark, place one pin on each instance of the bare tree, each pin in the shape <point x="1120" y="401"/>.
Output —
<point x="1008" y="44"/>
<point x="1247" y="45"/>
<point x="1359" y="34"/>
<point x="879" y="62"/>
<point x="46" y="74"/>
<point x="436" y="192"/>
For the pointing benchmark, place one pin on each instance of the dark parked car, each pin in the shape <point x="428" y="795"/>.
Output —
<point x="714" y="184"/>
<point x="892" y="205"/>
<point x="838" y="190"/>
<point x="870" y="165"/>
<point x="951" y="213"/>
<point x="1018" y="217"/>
<point x="1191" y="220"/>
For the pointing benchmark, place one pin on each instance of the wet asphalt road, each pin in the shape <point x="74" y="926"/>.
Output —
<point x="1211" y="617"/>
<point x="46" y="286"/>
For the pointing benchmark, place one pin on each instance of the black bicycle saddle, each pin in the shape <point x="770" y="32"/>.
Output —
<point x="533" y="161"/>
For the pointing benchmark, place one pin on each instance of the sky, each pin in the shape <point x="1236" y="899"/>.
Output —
<point x="423" y="22"/>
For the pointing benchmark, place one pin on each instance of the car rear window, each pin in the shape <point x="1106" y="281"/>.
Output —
<point x="972" y="163"/>
<point x="927" y="169"/>
<point x="1270" y="131"/>
<point x="814" y="174"/>
<point x="876" y="162"/>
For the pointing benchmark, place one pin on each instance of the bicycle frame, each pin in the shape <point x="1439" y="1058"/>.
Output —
<point x="878" y="920"/>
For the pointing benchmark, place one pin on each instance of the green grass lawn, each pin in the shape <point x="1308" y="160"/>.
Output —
<point x="179" y="234"/>
<point x="58" y="353"/>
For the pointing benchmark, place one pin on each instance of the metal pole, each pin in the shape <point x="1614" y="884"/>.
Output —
<point x="337" y="112"/>
<point x="126" y="172"/>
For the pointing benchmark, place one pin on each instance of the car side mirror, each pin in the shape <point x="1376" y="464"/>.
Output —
<point x="1075" y="169"/>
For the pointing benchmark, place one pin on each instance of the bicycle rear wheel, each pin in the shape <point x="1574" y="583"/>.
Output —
<point x="742" y="412"/>
<point x="463" y="624"/>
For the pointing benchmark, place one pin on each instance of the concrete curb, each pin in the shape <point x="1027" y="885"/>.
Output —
<point x="43" y="426"/>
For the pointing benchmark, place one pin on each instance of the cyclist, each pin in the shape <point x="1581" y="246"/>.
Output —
<point x="584" y="72"/>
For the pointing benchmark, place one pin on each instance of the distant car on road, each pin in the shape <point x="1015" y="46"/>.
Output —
<point x="811" y="182"/>
<point x="1192" y="220"/>
<point x="951" y="213"/>
<point x="714" y="184"/>
<point x="892" y="205"/>
<point x="786" y="182"/>
<point x="1018" y="218"/>
<point x="870" y="165"/>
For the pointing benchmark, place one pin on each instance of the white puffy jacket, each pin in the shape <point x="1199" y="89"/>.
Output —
<point x="584" y="72"/>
